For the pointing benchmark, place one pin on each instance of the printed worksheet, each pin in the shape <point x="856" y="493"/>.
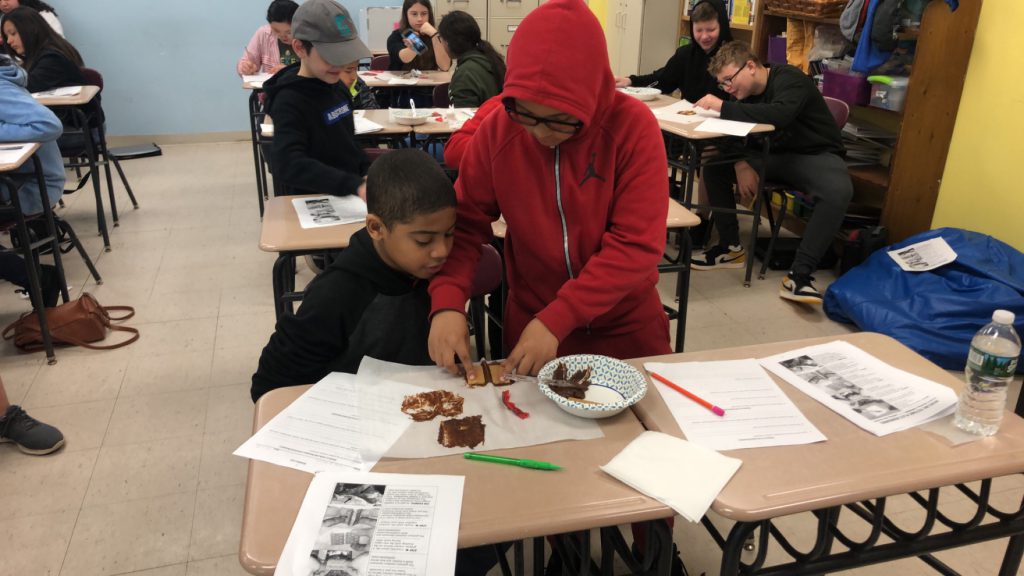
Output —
<point x="924" y="256"/>
<point x="320" y="211"/>
<point x="757" y="412"/>
<point x="367" y="524"/>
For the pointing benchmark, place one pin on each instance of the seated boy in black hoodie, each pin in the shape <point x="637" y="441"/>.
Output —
<point x="372" y="300"/>
<point x="314" y="149"/>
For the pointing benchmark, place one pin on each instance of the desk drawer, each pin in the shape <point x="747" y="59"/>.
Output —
<point x="476" y="8"/>
<point x="511" y="8"/>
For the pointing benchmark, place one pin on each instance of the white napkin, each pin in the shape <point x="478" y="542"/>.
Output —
<point x="685" y="476"/>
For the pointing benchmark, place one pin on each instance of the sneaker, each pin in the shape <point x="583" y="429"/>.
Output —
<point x="30" y="435"/>
<point x="799" y="288"/>
<point x="720" y="257"/>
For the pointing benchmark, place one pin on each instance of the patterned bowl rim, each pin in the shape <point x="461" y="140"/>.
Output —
<point x="626" y="402"/>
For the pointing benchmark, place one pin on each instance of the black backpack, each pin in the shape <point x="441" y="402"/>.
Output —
<point x="860" y="244"/>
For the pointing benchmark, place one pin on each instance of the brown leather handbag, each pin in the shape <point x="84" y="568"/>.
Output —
<point x="77" y="322"/>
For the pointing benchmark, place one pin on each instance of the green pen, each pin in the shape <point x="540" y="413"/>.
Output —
<point x="523" y="462"/>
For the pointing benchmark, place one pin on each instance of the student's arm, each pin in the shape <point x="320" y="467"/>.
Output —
<point x="252" y="57"/>
<point x="25" y="120"/>
<point x="399" y="53"/>
<point x="291" y="159"/>
<point x="302" y="346"/>
<point x="635" y="235"/>
<point x="789" y="94"/>
<point x="450" y="289"/>
<point x="52" y="71"/>
<point x="455" y="148"/>
<point x="670" y="77"/>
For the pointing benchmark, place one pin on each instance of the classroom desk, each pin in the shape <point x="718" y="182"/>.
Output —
<point x="32" y="266"/>
<point x="693" y="156"/>
<point x="75" y="105"/>
<point x="495" y="507"/>
<point x="853" y="470"/>
<point x="282" y="233"/>
<point x="428" y="79"/>
<point x="678" y="219"/>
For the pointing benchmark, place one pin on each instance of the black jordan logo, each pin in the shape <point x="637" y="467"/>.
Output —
<point x="591" y="171"/>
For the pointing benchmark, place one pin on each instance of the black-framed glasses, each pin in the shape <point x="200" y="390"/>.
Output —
<point x="527" y="119"/>
<point x="727" y="83"/>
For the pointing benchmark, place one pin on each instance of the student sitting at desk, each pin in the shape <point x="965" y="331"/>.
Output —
<point x="44" y="9"/>
<point x="687" y="69"/>
<point x="415" y="45"/>
<point x="270" y="48"/>
<point x="314" y="149"/>
<point x="806" y="153"/>
<point x="372" y="300"/>
<point x="50" y="60"/>
<point x="25" y="120"/>
<point x="480" y="71"/>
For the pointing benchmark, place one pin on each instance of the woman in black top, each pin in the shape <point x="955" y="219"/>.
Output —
<point x="687" y="69"/>
<point x="418" y="16"/>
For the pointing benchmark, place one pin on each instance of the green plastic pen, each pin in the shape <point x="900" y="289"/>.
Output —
<point x="522" y="462"/>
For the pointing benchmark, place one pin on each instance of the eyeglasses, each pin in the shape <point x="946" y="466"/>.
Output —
<point x="727" y="83"/>
<point x="527" y="119"/>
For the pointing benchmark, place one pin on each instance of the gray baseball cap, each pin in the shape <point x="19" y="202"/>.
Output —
<point x="328" y="26"/>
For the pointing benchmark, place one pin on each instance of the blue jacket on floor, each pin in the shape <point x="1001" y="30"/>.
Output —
<point x="22" y="119"/>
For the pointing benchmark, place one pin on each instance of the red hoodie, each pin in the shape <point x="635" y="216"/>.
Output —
<point x="456" y="146"/>
<point x="586" y="220"/>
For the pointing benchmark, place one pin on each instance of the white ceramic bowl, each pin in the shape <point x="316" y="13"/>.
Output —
<point x="614" y="385"/>
<point x="641" y="92"/>
<point x="407" y="118"/>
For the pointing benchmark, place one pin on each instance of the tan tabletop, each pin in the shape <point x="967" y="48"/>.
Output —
<point x="689" y="131"/>
<point x="852" y="465"/>
<point x="27" y="150"/>
<point x="499" y="504"/>
<point x="433" y="127"/>
<point x="83" y="97"/>
<point x="678" y="217"/>
<point x="281" y="231"/>
<point x="428" y="79"/>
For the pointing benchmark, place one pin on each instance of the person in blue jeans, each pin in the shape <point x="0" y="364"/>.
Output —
<point x="806" y="153"/>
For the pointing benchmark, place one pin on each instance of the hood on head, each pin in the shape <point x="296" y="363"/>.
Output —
<point x="558" y="58"/>
<point x="11" y="72"/>
<point x="725" y="33"/>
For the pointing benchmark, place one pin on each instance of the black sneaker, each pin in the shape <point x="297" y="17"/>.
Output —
<point x="799" y="288"/>
<point x="720" y="257"/>
<point x="28" y="434"/>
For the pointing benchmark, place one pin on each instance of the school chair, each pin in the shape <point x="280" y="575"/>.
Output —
<point x="441" y="96"/>
<point x="841" y="113"/>
<point x="13" y="220"/>
<point x="488" y="279"/>
<point x="380" y="62"/>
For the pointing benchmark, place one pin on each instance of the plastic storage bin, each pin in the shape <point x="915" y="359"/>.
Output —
<point x="888" y="92"/>
<point x="852" y="89"/>
<point x="777" y="50"/>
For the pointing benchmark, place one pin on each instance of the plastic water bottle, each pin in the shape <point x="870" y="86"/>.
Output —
<point x="991" y="364"/>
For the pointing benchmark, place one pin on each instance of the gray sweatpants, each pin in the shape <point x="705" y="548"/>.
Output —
<point x="824" y="177"/>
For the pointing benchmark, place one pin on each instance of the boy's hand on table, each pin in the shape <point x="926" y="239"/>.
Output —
<point x="710" y="102"/>
<point x="448" y="339"/>
<point x="536" y="347"/>
<point x="622" y="81"/>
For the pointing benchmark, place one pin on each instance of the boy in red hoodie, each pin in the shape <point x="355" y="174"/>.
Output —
<point x="578" y="171"/>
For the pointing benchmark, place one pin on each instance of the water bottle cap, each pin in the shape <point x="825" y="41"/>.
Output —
<point x="1003" y="316"/>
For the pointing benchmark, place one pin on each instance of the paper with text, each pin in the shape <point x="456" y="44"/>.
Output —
<point x="64" y="91"/>
<point x="255" y="80"/>
<point x="924" y="256"/>
<point x="861" y="388"/>
<point x="757" y="412"/>
<point x="730" y="127"/>
<point x="335" y="425"/>
<point x="683" y="112"/>
<point x="368" y="524"/>
<point x="320" y="211"/>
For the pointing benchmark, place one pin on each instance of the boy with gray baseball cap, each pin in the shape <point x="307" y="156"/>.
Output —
<point x="314" y="148"/>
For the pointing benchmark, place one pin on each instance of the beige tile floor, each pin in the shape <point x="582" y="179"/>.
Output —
<point x="146" y="484"/>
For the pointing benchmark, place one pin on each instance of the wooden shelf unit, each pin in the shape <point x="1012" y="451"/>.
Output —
<point x="907" y="190"/>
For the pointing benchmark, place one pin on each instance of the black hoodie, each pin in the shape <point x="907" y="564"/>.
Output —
<point x="687" y="69"/>
<point x="315" y="149"/>
<point x="358" y="306"/>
